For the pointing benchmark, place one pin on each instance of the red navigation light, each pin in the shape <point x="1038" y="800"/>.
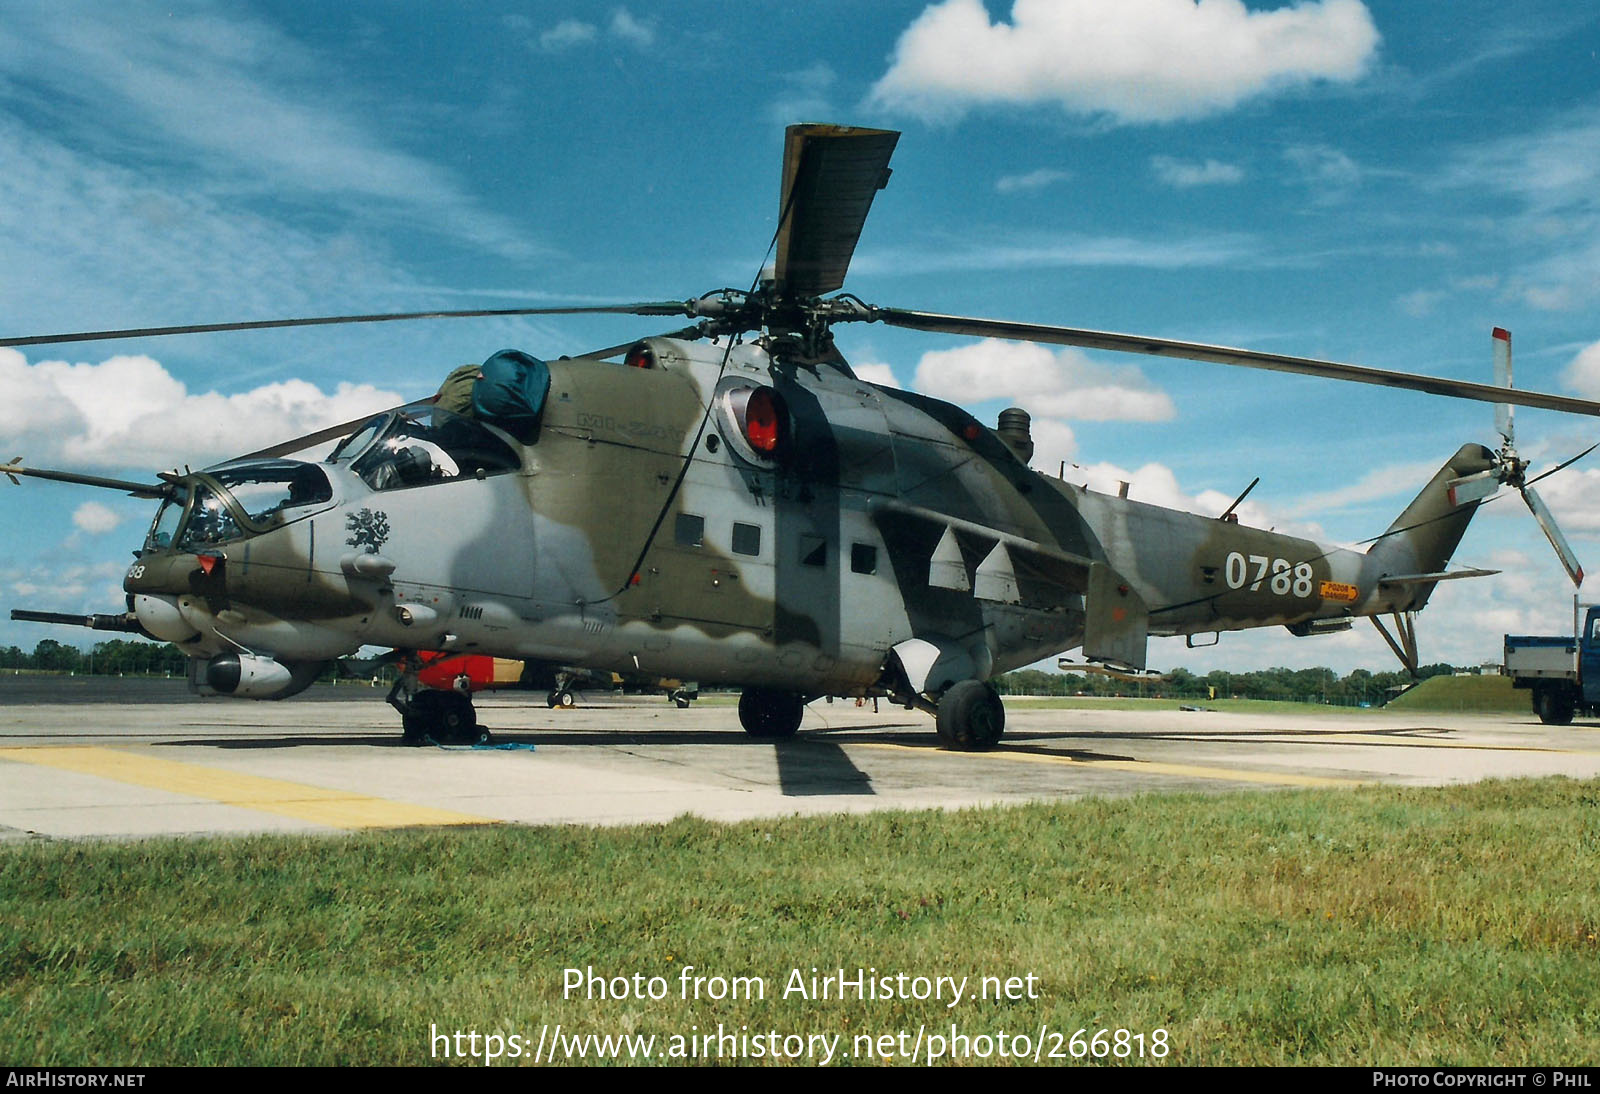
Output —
<point x="763" y="421"/>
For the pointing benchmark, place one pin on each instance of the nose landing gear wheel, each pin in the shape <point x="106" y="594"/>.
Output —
<point x="446" y="716"/>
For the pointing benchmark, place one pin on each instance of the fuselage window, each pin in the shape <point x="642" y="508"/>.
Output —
<point x="813" y="551"/>
<point x="690" y="530"/>
<point x="863" y="558"/>
<point x="746" y="539"/>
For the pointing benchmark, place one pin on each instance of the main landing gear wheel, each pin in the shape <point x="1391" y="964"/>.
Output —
<point x="446" y="716"/>
<point x="971" y="717"/>
<point x="770" y="715"/>
<point x="560" y="699"/>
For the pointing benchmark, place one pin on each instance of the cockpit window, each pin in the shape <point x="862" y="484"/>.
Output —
<point x="425" y="444"/>
<point x="354" y="444"/>
<point x="267" y="489"/>
<point x="168" y="517"/>
<point x="232" y="502"/>
<point x="210" y="521"/>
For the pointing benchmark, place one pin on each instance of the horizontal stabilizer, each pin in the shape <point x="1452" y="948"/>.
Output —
<point x="1428" y="579"/>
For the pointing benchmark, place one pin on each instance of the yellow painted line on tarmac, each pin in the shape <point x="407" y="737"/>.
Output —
<point x="319" y="805"/>
<point x="1137" y="767"/>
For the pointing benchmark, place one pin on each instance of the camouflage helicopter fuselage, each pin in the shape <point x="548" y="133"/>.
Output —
<point x="886" y="544"/>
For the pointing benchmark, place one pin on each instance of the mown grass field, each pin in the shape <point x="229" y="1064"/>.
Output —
<point x="1382" y="926"/>
<point x="1484" y="694"/>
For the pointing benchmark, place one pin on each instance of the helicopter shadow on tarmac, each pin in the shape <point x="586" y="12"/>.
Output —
<point x="808" y="765"/>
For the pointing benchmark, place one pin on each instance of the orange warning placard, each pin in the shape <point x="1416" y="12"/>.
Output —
<point x="1333" y="590"/>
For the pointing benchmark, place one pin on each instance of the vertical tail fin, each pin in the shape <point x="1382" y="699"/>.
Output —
<point x="1424" y="537"/>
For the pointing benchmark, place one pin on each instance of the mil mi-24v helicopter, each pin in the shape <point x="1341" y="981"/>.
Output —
<point x="746" y="511"/>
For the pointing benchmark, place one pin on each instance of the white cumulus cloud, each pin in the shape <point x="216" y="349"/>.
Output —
<point x="1185" y="173"/>
<point x="635" y="32"/>
<point x="1132" y="60"/>
<point x="130" y="412"/>
<point x="1032" y="180"/>
<point x="1061" y="383"/>
<point x="1583" y="374"/>
<point x="875" y="372"/>
<point x="94" y="518"/>
<point x="565" y="34"/>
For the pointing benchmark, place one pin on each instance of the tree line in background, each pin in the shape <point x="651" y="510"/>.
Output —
<point x="1289" y="685"/>
<point x="120" y="657"/>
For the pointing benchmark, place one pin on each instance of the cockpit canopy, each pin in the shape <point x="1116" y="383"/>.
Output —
<point x="237" y="500"/>
<point x="422" y="444"/>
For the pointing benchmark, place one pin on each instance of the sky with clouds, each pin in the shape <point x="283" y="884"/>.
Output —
<point x="1378" y="182"/>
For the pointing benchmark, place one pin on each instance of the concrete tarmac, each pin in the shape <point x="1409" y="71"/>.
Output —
<point x="142" y="758"/>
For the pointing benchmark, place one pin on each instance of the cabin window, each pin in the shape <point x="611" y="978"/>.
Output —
<point x="690" y="530"/>
<point x="746" y="539"/>
<point x="863" y="558"/>
<point x="813" y="551"/>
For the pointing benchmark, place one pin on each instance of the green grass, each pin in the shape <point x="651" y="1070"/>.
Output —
<point x="1488" y="694"/>
<point x="1383" y="926"/>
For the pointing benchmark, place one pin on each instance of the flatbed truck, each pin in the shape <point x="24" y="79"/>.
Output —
<point x="1562" y="671"/>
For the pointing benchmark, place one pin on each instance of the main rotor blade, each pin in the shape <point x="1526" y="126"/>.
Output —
<point x="1547" y="521"/>
<point x="830" y="175"/>
<point x="321" y="436"/>
<point x="664" y="307"/>
<point x="343" y="429"/>
<point x="1224" y="355"/>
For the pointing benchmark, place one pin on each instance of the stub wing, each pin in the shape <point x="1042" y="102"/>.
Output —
<point x="987" y="565"/>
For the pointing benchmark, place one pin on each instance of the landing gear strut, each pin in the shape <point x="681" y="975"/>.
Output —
<point x="971" y="717"/>
<point x="446" y="717"/>
<point x="770" y="714"/>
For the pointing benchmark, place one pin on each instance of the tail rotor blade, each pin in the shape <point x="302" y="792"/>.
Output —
<point x="1503" y="423"/>
<point x="1541" y="513"/>
<point x="1563" y="464"/>
<point x="1471" y="488"/>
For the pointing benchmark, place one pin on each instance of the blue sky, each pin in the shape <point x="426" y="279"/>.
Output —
<point x="1377" y="182"/>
